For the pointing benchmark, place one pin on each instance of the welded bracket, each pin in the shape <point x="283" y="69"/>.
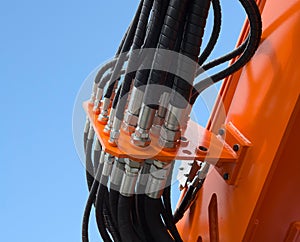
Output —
<point x="235" y="141"/>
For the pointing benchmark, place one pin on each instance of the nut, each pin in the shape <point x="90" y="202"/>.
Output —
<point x="170" y="135"/>
<point x="128" y="128"/>
<point x="159" y="164"/>
<point x="131" y="119"/>
<point x="131" y="164"/>
<point x="141" y="142"/>
<point x="167" y="144"/>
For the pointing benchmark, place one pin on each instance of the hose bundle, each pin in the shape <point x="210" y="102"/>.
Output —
<point x="132" y="199"/>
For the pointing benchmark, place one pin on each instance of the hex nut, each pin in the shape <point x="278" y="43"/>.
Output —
<point x="140" y="142"/>
<point x="170" y="135"/>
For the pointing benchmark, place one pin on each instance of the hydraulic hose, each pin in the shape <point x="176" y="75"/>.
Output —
<point x="133" y="59"/>
<point x="126" y="47"/>
<point x="191" y="44"/>
<point x="167" y="210"/>
<point x="99" y="213"/>
<point x="156" y="227"/>
<point x="174" y="16"/>
<point x="89" y="167"/>
<point x="254" y="17"/>
<point x="156" y="22"/>
<point x="89" y="205"/>
<point x="125" y="221"/>
<point x="215" y="32"/>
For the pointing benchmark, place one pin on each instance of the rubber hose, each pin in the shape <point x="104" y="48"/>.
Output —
<point x="124" y="220"/>
<point x="254" y="40"/>
<point x="133" y="59"/>
<point x="88" y="207"/>
<point x="125" y="48"/>
<point x="191" y="44"/>
<point x="215" y="32"/>
<point x="157" y="20"/>
<point x="157" y="229"/>
<point x="99" y="212"/>
<point x="89" y="164"/>
<point x="174" y="16"/>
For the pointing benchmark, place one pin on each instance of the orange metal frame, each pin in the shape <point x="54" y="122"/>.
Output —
<point x="262" y="101"/>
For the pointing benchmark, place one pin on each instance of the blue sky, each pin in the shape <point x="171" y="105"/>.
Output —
<point x="47" y="49"/>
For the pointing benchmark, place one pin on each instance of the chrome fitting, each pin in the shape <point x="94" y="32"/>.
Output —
<point x="109" y="124"/>
<point x="115" y="131"/>
<point x="108" y="163"/>
<point x="91" y="132"/>
<point x="158" y="177"/>
<point x="129" y="179"/>
<point x="202" y="173"/>
<point x="144" y="175"/>
<point x="135" y="101"/>
<point x="169" y="135"/>
<point x="87" y="125"/>
<point x="174" y="118"/>
<point x="103" y="117"/>
<point x="97" y="145"/>
<point x="117" y="173"/>
<point x="171" y="131"/>
<point x="163" y="105"/>
<point x="132" y="114"/>
<point x="141" y="135"/>
<point x="97" y="102"/>
<point x="130" y="122"/>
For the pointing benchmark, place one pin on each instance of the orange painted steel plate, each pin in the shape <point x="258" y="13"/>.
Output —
<point x="195" y="134"/>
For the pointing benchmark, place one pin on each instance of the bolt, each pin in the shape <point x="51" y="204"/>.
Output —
<point x="221" y="132"/>
<point x="226" y="176"/>
<point x="236" y="147"/>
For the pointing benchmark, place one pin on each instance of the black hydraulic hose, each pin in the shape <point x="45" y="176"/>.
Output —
<point x="137" y="227"/>
<point x="174" y="16"/>
<point x="215" y="32"/>
<point x="169" y="82"/>
<point x="156" y="227"/>
<point x="187" y="199"/>
<point x="126" y="47"/>
<point x="155" y="26"/>
<point x="108" y="220"/>
<point x="99" y="211"/>
<point x="229" y="56"/>
<point x="113" y="203"/>
<point x="190" y="47"/>
<point x="133" y="59"/>
<point x="179" y="212"/>
<point x="140" y="200"/>
<point x="89" y="167"/>
<point x="168" y="216"/>
<point x="238" y="51"/>
<point x="167" y="211"/>
<point x="125" y="221"/>
<point x="89" y="205"/>
<point x="254" y="17"/>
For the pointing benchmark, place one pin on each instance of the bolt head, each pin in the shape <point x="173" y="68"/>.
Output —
<point x="221" y="132"/>
<point x="226" y="176"/>
<point x="236" y="147"/>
